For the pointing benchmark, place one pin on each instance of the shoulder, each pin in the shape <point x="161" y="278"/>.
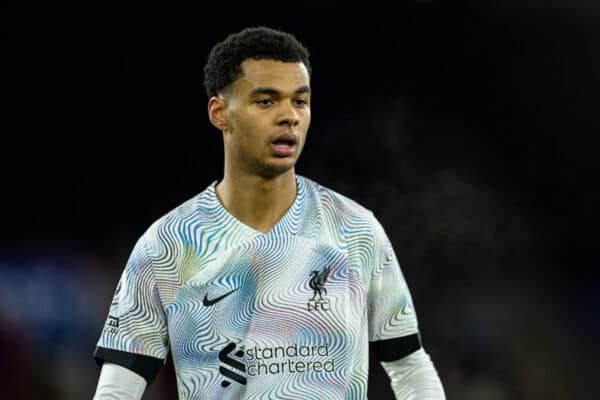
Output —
<point x="334" y="202"/>
<point x="353" y="228"/>
<point x="344" y="214"/>
<point x="176" y="225"/>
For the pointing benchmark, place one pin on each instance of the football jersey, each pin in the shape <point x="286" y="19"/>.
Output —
<point x="287" y="314"/>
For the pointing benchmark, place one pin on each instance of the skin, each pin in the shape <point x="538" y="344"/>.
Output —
<point x="269" y="99"/>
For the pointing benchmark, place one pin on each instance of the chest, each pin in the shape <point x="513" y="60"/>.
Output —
<point x="268" y="292"/>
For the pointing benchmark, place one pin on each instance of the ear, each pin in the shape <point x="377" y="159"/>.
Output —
<point x="217" y="114"/>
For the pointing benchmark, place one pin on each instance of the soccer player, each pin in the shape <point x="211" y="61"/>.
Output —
<point x="265" y="285"/>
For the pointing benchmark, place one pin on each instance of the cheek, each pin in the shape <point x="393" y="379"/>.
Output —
<point x="245" y="123"/>
<point x="306" y="123"/>
<point x="238" y="128"/>
<point x="245" y="134"/>
<point x="307" y="116"/>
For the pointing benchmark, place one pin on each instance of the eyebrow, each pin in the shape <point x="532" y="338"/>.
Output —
<point x="275" y="92"/>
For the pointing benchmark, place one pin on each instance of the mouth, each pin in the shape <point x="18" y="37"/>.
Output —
<point x="284" y="145"/>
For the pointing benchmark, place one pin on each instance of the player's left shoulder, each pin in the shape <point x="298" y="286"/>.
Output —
<point x="339" y="208"/>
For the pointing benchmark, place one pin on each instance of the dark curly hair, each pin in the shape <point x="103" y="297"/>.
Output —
<point x="224" y="60"/>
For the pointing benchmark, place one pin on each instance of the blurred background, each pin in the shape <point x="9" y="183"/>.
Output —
<point x="469" y="128"/>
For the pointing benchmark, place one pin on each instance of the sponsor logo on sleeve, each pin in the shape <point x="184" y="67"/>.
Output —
<point x="112" y="324"/>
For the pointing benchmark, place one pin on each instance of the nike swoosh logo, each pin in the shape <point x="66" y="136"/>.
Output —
<point x="208" y="303"/>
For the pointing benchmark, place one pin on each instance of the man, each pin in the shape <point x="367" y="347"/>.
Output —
<point x="265" y="285"/>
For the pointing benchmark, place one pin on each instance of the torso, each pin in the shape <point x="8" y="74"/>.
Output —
<point x="264" y="316"/>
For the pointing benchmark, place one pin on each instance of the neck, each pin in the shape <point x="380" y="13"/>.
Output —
<point x="257" y="201"/>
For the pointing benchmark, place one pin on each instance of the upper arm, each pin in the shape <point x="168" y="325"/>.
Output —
<point x="135" y="333"/>
<point x="393" y="326"/>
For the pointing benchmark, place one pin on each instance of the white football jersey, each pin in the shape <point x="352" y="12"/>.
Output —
<point x="284" y="315"/>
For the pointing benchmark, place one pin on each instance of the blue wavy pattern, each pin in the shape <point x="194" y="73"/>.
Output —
<point x="200" y="250"/>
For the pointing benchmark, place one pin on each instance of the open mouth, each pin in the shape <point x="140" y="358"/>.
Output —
<point x="284" y="145"/>
<point x="282" y="142"/>
<point x="287" y="139"/>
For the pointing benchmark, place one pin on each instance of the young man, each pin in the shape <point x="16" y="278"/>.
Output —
<point x="265" y="285"/>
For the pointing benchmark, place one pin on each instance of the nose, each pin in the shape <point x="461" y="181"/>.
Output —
<point x="289" y="115"/>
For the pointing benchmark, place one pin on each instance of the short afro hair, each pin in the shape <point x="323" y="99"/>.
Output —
<point x="224" y="60"/>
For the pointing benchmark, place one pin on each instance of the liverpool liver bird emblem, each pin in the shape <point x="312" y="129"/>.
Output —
<point x="317" y="281"/>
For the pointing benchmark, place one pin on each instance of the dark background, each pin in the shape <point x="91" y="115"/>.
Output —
<point x="470" y="130"/>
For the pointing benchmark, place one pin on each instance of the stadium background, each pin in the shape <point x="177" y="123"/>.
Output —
<point x="470" y="130"/>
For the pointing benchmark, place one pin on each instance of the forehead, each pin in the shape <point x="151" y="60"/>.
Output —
<point x="278" y="75"/>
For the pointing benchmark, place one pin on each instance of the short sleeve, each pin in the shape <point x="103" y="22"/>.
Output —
<point x="393" y="327"/>
<point x="135" y="333"/>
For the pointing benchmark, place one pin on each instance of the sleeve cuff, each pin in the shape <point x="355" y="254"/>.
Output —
<point x="396" y="348"/>
<point x="145" y="366"/>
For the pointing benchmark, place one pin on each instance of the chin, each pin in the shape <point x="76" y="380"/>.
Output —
<point x="272" y="170"/>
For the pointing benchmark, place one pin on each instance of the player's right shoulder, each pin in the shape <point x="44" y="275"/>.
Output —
<point x="176" y="226"/>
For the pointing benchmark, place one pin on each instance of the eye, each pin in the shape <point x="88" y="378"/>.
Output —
<point x="300" y="102"/>
<point x="264" y="102"/>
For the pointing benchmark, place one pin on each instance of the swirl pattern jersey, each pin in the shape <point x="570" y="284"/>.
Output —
<point x="284" y="315"/>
